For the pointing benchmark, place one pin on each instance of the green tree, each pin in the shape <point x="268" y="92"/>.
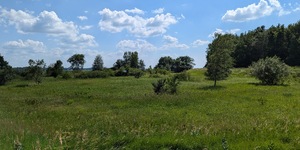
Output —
<point x="219" y="60"/>
<point x="134" y="60"/>
<point x="118" y="64"/>
<point x="142" y="65"/>
<point x="98" y="63"/>
<point x="35" y="70"/>
<point x="270" y="71"/>
<point x="166" y="63"/>
<point x="183" y="63"/>
<point x="56" y="69"/>
<point x="77" y="61"/>
<point x="6" y="73"/>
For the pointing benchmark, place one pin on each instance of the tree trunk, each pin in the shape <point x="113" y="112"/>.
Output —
<point x="215" y="83"/>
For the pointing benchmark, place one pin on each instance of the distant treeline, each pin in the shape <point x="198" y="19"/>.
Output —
<point x="280" y="41"/>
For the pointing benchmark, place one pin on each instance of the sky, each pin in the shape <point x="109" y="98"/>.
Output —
<point x="56" y="29"/>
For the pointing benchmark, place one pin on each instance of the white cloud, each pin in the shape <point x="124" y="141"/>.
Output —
<point x="85" y="27"/>
<point x="198" y="43"/>
<point x="182" y="16"/>
<point x="82" y="18"/>
<point x="35" y="46"/>
<point x="220" y="31"/>
<point x="135" y="11"/>
<point x="45" y="22"/>
<point x="67" y="33"/>
<point x="255" y="11"/>
<point x="158" y="11"/>
<point x="117" y="21"/>
<point x="251" y="12"/>
<point x="172" y="42"/>
<point x="135" y="45"/>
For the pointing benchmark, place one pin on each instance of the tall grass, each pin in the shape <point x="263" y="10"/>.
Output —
<point x="125" y="113"/>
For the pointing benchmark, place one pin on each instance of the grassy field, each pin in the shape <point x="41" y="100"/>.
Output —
<point x="124" y="113"/>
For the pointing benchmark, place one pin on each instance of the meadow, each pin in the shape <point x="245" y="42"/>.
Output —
<point x="125" y="113"/>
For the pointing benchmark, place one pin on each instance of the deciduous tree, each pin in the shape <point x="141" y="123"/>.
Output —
<point x="77" y="61"/>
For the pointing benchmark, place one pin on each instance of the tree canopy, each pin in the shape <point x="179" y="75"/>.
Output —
<point x="6" y="72"/>
<point x="280" y="41"/>
<point x="35" y="70"/>
<point x="55" y="69"/>
<point x="98" y="63"/>
<point x="179" y="64"/>
<point x="219" y="60"/>
<point x="77" y="61"/>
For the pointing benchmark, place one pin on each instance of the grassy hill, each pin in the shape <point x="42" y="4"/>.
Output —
<point x="124" y="113"/>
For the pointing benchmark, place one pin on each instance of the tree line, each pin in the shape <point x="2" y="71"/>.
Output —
<point x="248" y="47"/>
<point x="130" y="65"/>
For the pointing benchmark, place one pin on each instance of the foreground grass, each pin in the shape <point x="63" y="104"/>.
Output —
<point x="124" y="113"/>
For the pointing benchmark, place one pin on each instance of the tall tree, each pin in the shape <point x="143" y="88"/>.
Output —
<point x="219" y="60"/>
<point x="77" y="61"/>
<point x="6" y="72"/>
<point x="134" y="60"/>
<point x="142" y="65"/>
<point x="56" y="69"/>
<point x="165" y="63"/>
<point x="35" y="70"/>
<point x="98" y="63"/>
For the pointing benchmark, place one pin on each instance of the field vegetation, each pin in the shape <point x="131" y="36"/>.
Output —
<point x="125" y="113"/>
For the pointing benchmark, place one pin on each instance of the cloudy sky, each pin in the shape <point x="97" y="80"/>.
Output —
<point x="56" y="29"/>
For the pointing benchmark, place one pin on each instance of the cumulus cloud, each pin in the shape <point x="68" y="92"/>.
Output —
<point x="85" y="27"/>
<point x="45" y="22"/>
<point x="118" y="21"/>
<point x="158" y="11"/>
<point x="255" y="11"/>
<point x="135" y="11"/>
<point x="35" y="46"/>
<point x="82" y="18"/>
<point x="250" y="12"/>
<point x="135" y="45"/>
<point x="172" y="42"/>
<point x="220" y="31"/>
<point x="198" y="43"/>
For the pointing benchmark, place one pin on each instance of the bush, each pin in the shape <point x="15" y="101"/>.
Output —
<point x="159" y="86"/>
<point x="168" y="85"/>
<point x="137" y="73"/>
<point x="270" y="71"/>
<point x="94" y="74"/>
<point x="183" y="76"/>
<point x="66" y="75"/>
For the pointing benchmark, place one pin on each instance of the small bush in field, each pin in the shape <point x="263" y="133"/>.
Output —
<point x="159" y="86"/>
<point x="183" y="76"/>
<point x="270" y="71"/>
<point x="66" y="75"/>
<point x="168" y="85"/>
<point x="172" y="84"/>
<point x="137" y="73"/>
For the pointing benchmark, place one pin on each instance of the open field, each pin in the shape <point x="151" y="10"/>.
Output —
<point x="124" y="113"/>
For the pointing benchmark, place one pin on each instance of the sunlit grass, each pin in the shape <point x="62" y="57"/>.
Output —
<point x="124" y="112"/>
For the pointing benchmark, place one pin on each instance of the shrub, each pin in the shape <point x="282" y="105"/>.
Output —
<point x="66" y="75"/>
<point x="93" y="74"/>
<point x="137" y="73"/>
<point x="183" y="76"/>
<point x="270" y="71"/>
<point x="159" y="86"/>
<point x="172" y="84"/>
<point x="168" y="85"/>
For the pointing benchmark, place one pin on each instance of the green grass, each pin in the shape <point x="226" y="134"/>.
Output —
<point x="124" y="113"/>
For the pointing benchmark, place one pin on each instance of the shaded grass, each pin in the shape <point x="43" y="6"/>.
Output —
<point x="124" y="113"/>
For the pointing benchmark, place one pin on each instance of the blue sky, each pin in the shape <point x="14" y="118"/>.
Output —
<point x="56" y="29"/>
